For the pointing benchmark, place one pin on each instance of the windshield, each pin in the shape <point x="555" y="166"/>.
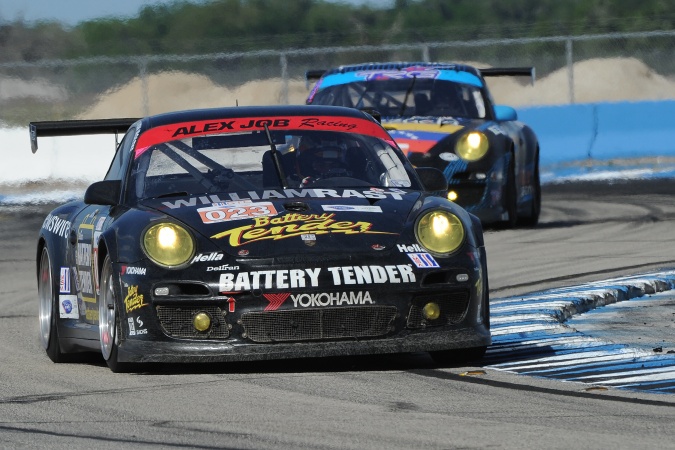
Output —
<point x="407" y="97"/>
<point x="246" y="161"/>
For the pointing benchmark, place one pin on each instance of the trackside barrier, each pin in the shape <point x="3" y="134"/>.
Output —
<point x="567" y="133"/>
<point x="602" y="131"/>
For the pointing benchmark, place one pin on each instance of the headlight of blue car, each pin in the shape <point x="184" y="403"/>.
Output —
<point x="440" y="232"/>
<point x="472" y="146"/>
<point x="168" y="244"/>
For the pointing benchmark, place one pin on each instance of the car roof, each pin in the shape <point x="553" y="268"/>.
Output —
<point x="251" y="111"/>
<point x="400" y="65"/>
<point x="460" y="73"/>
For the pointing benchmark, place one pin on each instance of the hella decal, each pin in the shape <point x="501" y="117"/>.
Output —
<point x="206" y="257"/>
<point x="409" y="248"/>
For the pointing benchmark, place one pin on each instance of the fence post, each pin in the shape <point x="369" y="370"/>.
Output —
<point x="425" y="53"/>
<point x="570" y="69"/>
<point x="284" y="79"/>
<point x="145" y="94"/>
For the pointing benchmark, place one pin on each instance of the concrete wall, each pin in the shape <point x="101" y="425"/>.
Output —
<point x="603" y="131"/>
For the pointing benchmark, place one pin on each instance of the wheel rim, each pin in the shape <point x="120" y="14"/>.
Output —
<point x="45" y="287"/>
<point x="107" y="312"/>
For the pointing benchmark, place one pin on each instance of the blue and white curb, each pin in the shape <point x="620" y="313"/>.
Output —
<point x="529" y="337"/>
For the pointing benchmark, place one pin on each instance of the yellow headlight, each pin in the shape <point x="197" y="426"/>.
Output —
<point x="431" y="311"/>
<point x="472" y="146"/>
<point x="168" y="244"/>
<point x="201" y="322"/>
<point x="440" y="231"/>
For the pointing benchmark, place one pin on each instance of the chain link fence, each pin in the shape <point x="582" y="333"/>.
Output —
<point x="570" y="69"/>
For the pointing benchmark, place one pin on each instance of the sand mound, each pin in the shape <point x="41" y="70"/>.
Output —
<point x="12" y="88"/>
<point x="172" y="91"/>
<point x="595" y="80"/>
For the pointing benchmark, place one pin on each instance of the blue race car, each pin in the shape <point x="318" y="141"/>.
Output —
<point x="442" y="115"/>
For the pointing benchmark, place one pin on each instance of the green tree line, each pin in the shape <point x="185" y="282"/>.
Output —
<point x="244" y="25"/>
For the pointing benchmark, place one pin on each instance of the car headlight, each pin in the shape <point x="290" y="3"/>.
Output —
<point x="440" y="231"/>
<point x="168" y="244"/>
<point x="472" y="146"/>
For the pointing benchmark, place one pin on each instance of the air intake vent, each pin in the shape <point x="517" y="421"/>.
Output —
<point x="318" y="324"/>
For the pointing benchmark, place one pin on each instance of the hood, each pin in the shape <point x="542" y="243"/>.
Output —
<point x="420" y="134"/>
<point x="274" y="223"/>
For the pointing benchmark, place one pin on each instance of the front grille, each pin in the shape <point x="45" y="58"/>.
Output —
<point x="469" y="195"/>
<point x="316" y="324"/>
<point x="453" y="306"/>
<point x="177" y="322"/>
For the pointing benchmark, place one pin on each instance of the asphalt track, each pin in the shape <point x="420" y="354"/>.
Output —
<point x="588" y="232"/>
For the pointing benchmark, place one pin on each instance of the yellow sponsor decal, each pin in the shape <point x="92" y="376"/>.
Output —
<point x="291" y="225"/>
<point x="92" y="314"/>
<point x="431" y="127"/>
<point x="133" y="300"/>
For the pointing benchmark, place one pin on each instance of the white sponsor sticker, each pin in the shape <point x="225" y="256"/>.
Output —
<point x="68" y="308"/>
<point x="64" y="281"/>
<point x="356" y="208"/>
<point x="227" y="213"/>
<point x="301" y="278"/>
<point x="423" y="260"/>
<point x="331" y="299"/>
<point x="131" y="270"/>
<point x="447" y="156"/>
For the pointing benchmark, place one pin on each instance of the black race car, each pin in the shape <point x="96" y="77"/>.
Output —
<point x="258" y="233"/>
<point x="442" y="115"/>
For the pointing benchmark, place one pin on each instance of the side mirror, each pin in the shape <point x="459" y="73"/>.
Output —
<point x="432" y="179"/>
<point x="105" y="192"/>
<point x="504" y="113"/>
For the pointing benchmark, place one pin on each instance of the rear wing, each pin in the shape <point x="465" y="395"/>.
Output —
<point x="76" y="127"/>
<point x="312" y="75"/>
<point x="509" y="72"/>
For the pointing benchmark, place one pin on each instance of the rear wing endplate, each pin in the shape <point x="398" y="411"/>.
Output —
<point x="76" y="127"/>
<point x="509" y="72"/>
<point x="312" y="75"/>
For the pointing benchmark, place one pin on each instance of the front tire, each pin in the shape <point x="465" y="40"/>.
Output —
<point x="535" y="207"/>
<point x="108" y="320"/>
<point x="49" y="309"/>
<point x="511" y="195"/>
